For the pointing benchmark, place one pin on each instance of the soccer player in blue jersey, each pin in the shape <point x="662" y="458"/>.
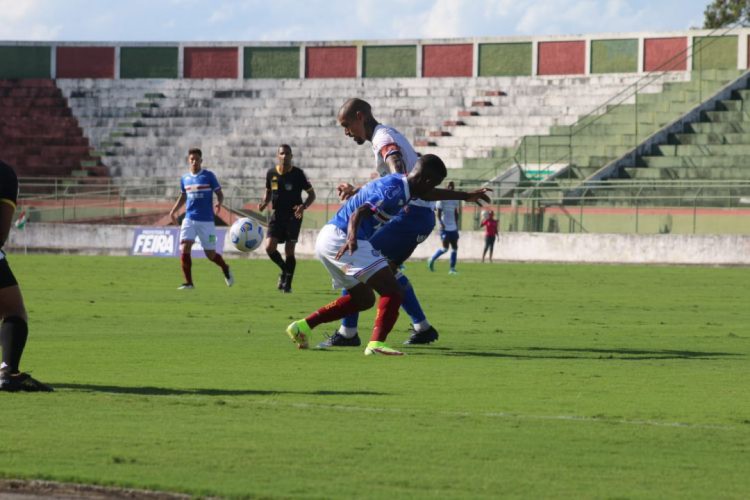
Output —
<point x="447" y="215"/>
<point x="197" y="188"/>
<point x="344" y="247"/>
<point x="398" y="239"/>
<point x="14" y="330"/>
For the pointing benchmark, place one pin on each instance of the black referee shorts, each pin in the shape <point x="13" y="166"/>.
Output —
<point x="6" y="275"/>
<point x="284" y="228"/>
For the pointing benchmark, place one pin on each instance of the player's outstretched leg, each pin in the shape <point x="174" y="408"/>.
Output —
<point x="388" y="305"/>
<point x="422" y="331"/>
<point x="358" y="299"/>
<point x="346" y="335"/>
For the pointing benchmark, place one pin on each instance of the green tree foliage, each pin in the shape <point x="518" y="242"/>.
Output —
<point x="721" y="13"/>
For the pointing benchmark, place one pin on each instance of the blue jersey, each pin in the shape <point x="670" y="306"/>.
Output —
<point x="199" y="189"/>
<point x="385" y="197"/>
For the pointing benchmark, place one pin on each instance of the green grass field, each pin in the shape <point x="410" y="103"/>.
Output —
<point x="548" y="381"/>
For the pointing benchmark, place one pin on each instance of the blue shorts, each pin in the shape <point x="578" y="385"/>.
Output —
<point x="398" y="238"/>
<point x="449" y="236"/>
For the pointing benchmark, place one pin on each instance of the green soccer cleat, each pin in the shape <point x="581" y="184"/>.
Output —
<point x="375" y="347"/>
<point x="300" y="333"/>
<point x="431" y="265"/>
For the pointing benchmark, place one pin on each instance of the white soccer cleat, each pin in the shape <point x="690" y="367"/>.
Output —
<point x="229" y="278"/>
<point x="186" y="286"/>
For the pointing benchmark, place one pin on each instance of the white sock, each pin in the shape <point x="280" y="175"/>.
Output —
<point x="421" y="326"/>
<point x="347" y="331"/>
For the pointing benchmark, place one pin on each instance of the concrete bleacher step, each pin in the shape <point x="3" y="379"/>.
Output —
<point x="711" y="138"/>
<point x="689" y="173"/>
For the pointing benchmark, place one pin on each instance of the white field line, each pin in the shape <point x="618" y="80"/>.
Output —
<point x="500" y="415"/>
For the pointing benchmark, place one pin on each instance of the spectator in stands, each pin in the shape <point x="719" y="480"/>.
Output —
<point x="14" y="329"/>
<point x="284" y="186"/>
<point x="197" y="188"/>
<point x="490" y="233"/>
<point x="447" y="216"/>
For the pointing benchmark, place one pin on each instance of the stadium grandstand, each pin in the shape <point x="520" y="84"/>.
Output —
<point x="625" y="133"/>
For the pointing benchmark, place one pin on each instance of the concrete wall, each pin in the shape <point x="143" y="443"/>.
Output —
<point x="715" y="52"/>
<point x="271" y="62"/>
<point x="505" y="59"/>
<point x="562" y="58"/>
<point x="665" y="54"/>
<point x="463" y="57"/>
<point x="210" y="62"/>
<point x="25" y="62"/>
<point x="148" y="62"/>
<point x="515" y="247"/>
<point x="396" y="61"/>
<point x="614" y="56"/>
<point x="447" y="60"/>
<point x="85" y="62"/>
<point x="331" y="62"/>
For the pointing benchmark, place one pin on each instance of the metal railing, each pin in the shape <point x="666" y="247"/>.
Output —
<point x="605" y="206"/>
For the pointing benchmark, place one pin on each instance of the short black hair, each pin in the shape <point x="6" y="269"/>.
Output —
<point x="434" y="164"/>
<point x="286" y="146"/>
<point x="354" y="105"/>
<point x="195" y="151"/>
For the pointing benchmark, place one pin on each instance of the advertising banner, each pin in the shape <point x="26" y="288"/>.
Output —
<point x="165" y="242"/>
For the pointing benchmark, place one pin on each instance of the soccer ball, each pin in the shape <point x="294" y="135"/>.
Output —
<point x="246" y="234"/>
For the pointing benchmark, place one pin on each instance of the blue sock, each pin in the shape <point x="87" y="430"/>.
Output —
<point x="437" y="254"/>
<point x="411" y="303"/>
<point x="351" y="320"/>
<point x="454" y="257"/>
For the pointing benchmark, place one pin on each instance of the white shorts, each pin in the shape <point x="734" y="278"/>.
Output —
<point x="205" y="231"/>
<point x="351" y="270"/>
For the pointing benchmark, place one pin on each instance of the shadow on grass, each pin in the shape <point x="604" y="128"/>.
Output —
<point x="165" y="391"/>
<point x="623" y="354"/>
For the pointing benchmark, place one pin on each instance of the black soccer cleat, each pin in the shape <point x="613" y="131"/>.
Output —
<point x="426" y="337"/>
<point x="21" y="382"/>
<point x="282" y="281"/>
<point x="338" y="340"/>
<point x="288" y="283"/>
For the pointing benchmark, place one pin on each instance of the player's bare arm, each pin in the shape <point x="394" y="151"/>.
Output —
<point x="6" y="219"/>
<point x="396" y="163"/>
<point x="477" y="196"/>
<point x="351" y="234"/>
<point x="299" y="209"/>
<point x="219" y="200"/>
<point x="178" y="204"/>
<point x="440" y="218"/>
<point x="266" y="199"/>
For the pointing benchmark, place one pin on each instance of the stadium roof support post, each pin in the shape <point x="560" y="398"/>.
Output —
<point x="181" y="61"/>
<point x="587" y="56"/>
<point x="360" y="61"/>
<point x="742" y="40"/>
<point x="302" y="61"/>
<point x="534" y="57"/>
<point x="689" y="61"/>
<point x="117" y="62"/>
<point x="420" y="49"/>
<point x="475" y="59"/>
<point x="241" y="62"/>
<point x="641" y="54"/>
<point x="53" y="61"/>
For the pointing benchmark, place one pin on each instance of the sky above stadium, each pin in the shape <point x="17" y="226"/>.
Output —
<point x="301" y="20"/>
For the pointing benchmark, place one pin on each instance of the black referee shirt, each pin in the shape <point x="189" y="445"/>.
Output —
<point x="286" y="190"/>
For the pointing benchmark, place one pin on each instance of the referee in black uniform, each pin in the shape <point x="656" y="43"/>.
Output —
<point x="14" y="329"/>
<point x="284" y="186"/>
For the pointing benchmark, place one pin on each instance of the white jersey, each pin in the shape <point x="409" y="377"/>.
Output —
<point x="449" y="208"/>
<point x="386" y="141"/>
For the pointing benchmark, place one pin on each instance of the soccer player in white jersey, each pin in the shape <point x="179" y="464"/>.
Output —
<point x="447" y="216"/>
<point x="400" y="236"/>
<point x="197" y="188"/>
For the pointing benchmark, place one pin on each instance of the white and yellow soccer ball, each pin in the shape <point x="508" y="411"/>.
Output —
<point x="246" y="234"/>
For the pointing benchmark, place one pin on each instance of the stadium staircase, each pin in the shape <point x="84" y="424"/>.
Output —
<point x="570" y="154"/>
<point x="40" y="137"/>
<point x="145" y="127"/>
